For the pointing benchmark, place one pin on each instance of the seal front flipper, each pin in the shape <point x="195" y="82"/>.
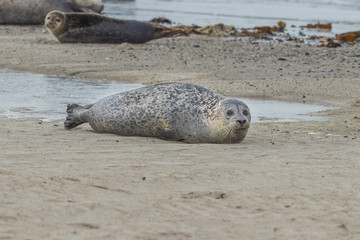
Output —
<point x="75" y="116"/>
<point x="166" y="133"/>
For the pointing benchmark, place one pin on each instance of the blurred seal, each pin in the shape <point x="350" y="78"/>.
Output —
<point x="94" y="28"/>
<point x="26" y="12"/>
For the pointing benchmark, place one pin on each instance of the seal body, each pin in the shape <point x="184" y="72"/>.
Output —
<point x="94" y="28"/>
<point x="172" y="111"/>
<point x="25" y="12"/>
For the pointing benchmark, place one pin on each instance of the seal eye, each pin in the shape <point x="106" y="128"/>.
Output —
<point x="230" y="113"/>
<point x="57" y="20"/>
<point x="48" y="18"/>
<point x="245" y="112"/>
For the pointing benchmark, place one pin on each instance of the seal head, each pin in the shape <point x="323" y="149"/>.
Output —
<point x="55" y="22"/>
<point x="234" y="120"/>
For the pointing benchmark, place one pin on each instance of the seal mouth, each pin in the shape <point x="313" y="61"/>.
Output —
<point x="239" y="126"/>
<point x="238" y="130"/>
<point x="49" y="25"/>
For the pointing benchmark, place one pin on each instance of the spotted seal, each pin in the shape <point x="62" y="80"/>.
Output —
<point x="94" y="28"/>
<point x="23" y="12"/>
<point x="171" y="111"/>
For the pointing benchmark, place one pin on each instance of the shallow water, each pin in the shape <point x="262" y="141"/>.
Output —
<point x="24" y="95"/>
<point x="29" y="95"/>
<point x="343" y="14"/>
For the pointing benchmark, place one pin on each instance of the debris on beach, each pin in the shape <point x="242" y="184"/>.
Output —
<point x="277" y="33"/>
<point x="220" y="30"/>
<point x="319" y="26"/>
<point x="264" y="31"/>
<point x="330" y="44"/>
<point x="280" y="27"/>
<point x="349" y="37"/>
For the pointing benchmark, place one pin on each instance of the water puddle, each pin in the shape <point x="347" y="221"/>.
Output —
<point x="29" y="95"/>
<point x="25" y="95"/>
<point x="282" y="111"/>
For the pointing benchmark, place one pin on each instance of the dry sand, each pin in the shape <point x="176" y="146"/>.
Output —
<point x="285" y="181"/>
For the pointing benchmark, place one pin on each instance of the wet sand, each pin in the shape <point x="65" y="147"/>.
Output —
<point x="296" y="180"/>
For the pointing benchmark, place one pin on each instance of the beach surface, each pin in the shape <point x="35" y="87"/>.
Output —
<point x="287" y="180"/>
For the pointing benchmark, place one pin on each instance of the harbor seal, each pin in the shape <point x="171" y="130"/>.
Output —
<point x="171" y="111"/>
<point x="26" y="12"/>
<point x="94" y="28"/>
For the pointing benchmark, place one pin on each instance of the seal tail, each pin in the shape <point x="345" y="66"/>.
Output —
<point x="74" y="117"/>
<point x="162" y="31"/>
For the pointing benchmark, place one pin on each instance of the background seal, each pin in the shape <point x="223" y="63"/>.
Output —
<point x="27" y="12"/>
<point x="94" y="28"/>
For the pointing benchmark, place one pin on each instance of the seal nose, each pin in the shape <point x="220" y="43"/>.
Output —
<point x="242" y="122"/>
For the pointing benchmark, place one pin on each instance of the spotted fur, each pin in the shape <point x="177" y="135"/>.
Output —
<point x="172" y="111"/>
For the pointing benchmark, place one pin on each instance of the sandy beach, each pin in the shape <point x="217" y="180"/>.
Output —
<point x="287" y="180"/>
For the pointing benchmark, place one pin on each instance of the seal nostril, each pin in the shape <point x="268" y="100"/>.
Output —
<point x="242" y="122"/>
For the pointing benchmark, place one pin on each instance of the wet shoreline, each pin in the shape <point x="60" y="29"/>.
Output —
<point x="29" y="95"/>
<point x="243" y="14"/>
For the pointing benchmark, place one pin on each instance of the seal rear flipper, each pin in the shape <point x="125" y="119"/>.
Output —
<point x="162" y="31"/>
<point x="74" y="117"/>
